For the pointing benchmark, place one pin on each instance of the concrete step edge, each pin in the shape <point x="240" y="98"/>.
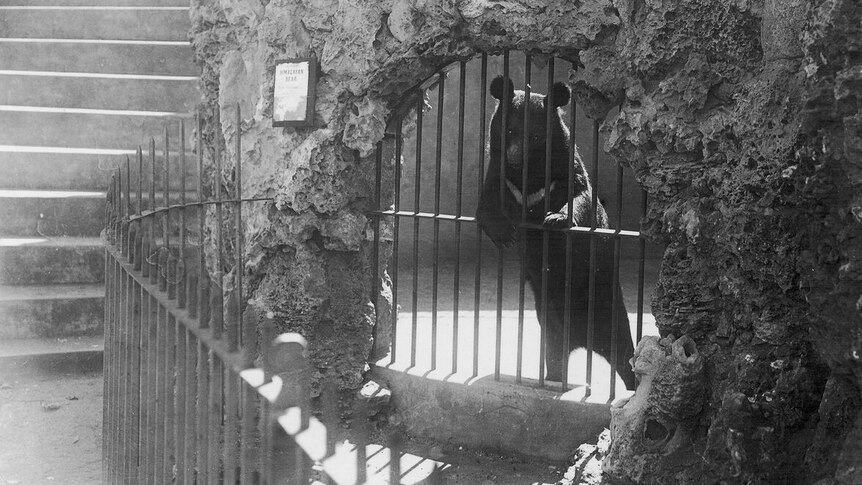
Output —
<point x="13" y="293"/>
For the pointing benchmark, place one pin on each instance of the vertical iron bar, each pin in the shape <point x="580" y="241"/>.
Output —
<point x="181" y="259"/>
<point x="231" y="420"/>
<point x="107" y="353"/>
<point x="591" y="306"/>
<point x="250" y="436"/>
<point x="417" y="177"/>
<point x="641" y="258"/>
<point x="525" y="189"/>
<point x="550" y="112"/>
<point x="238" y="270"/>
<point x="125" y="283"/>
<point x="217" y="310"/>
<point x="203" y="291"/>
<point x="567" y="310"/>
<point x="180" y="337"/>
<point x="152" y="259"/>
<point x="202" y="412"/>
<point x="215" y="418"/>
<point x="248" y="335"/>
<point x="152" y="401"/>
<point x="477" y="290"/>
<point x="615" y="284"/>
<point x="435" y="264"/>
<point x="375" y="255"/>
<point x="135" y="394"/>
<point x="477" y="295"/>
<point x="190" y="409"/>
<point x="167" y="187"/>
<point x="399" y="147"/>
<point x="459" y="187"/>
<point x="504" y="128"/>
<point x="140" y="157"/>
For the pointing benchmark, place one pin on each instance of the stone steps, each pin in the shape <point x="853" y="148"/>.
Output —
<point x="80" y="171"/>
<point x="51" y="311"/>
<point x="50" y="128"/>
<point x="109" y="60"/>
<point x="177" y="95"/>
<point x="40" y="261"/>
<point x="96" y="22"/>
<point x="41" y="213"/>
<point x="83" y="83"/>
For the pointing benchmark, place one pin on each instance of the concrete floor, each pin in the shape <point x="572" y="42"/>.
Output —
<point x="434" y="348"/>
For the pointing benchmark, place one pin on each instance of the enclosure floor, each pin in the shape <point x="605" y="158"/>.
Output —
<point x="443" y="353"/>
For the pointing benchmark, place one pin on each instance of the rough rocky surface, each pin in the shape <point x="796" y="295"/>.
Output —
<point x="741" y="119"/>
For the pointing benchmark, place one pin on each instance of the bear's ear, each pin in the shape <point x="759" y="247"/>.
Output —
<point x="496" y="88"/>
<point x="561" y="94"/>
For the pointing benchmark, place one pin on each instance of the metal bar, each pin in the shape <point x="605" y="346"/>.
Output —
<point x="161" y="394"/>
<point x="459" y="187"/>
<point x="570" y="197"/>
<point x="234" y="335"/>
<point x="375" y="254"/>
<point x="140" y="157"/>
<point x="180" y="401"/>
<point x="591" y="306"/>
<point x="107" y="353"/>
<point x="231" y="420"/>
<point x="504" y="128"/>
<point x="641" y="259"/>
<point x="550" y="112"/>
<point x="522" y="270"/>
<point x="122" y="354"/>
<point x="202" y="410"/>
<point x="435" y="263"/>
<point x="399" y="147"/>
<point x="190" y="411"/>
<point x="477" y="299"/>
<point x="215" y="419"/>
<point x="203" y="290"/>
<point x="167" y="188"/>
<point x="181" y="258"/>
<point x="139" y="254"/>
<point x="417" y="179"/>
<point x="152" y="401"/>
<point x="152" y="259"/>
<point x="135" y="374"/>
<point x="250" y="436"/>
<point x="217" y="309"/>
<point x="615" y="287"/>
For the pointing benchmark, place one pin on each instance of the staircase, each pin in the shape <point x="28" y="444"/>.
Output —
<point x="82" y="83"/>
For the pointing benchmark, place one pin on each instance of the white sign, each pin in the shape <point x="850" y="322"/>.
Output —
<point x="293" y="93"/>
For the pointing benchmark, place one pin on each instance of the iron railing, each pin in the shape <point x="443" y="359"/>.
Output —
<point x="198" y="388"/>
<point x="183" y="401"/>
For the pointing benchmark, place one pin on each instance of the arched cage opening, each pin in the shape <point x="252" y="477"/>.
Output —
<point x="522" y="263"/>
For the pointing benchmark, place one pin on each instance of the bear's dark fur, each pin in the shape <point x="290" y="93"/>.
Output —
<point x="498" y="221"/>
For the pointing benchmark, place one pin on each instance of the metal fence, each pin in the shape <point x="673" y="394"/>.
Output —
<point x="442" y="273"/>
<point x="183" y="401"/>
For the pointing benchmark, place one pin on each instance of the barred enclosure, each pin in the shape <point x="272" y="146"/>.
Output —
<point x="462" y="306"/>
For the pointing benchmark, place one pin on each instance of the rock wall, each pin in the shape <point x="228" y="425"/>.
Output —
<point x="741" y="119"/>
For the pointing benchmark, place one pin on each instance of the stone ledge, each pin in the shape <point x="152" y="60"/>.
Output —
<point x="494" y="416"/>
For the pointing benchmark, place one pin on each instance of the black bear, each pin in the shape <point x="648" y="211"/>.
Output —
<point x="498" y="220"/>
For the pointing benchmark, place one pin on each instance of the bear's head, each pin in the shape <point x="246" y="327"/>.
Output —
<point x="535" y="141"/>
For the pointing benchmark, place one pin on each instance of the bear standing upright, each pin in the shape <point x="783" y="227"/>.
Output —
<point x="499" y="218"/>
